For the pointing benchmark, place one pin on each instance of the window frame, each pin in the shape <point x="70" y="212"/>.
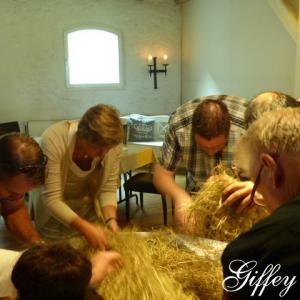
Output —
<point x="119" y="85"/>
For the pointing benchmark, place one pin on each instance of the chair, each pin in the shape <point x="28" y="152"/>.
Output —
<point x="9" y="127"/>
<point x="142" y="183"/>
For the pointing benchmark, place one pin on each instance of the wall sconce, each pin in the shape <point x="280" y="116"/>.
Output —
<point x="152" y="64"/>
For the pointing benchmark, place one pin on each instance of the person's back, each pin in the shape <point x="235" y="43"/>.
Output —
<point x="277" y="254"/>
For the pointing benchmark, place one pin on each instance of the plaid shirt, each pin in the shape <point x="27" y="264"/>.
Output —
<point x="180" y="146"/>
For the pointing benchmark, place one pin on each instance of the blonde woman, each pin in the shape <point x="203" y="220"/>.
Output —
<point x="82" y="176"/>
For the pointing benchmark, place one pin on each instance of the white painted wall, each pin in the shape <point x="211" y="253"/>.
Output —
<point x="32" y="69"/>
<point x="236" y="47"/>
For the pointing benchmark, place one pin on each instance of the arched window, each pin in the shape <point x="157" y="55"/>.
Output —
<point x="93" y="58"/>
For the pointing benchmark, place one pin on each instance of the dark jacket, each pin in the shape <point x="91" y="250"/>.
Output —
<point x="272" y="250"/>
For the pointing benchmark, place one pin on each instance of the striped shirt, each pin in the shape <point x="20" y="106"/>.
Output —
<point x="180" y="146"/>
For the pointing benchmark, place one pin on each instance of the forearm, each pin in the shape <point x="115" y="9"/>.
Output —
<point x="83" y="226"/>
<point x="106" y="207"/>
<point x="80" y="224"/>
<point x="110" y="217"/>
<point x="109" y="211"/>
<point x="164" y="181"/>
<point x="20" y="225"/>
<point x="60" y="210"/>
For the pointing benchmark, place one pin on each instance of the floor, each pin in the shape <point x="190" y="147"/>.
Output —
<point x="150" y="217"/>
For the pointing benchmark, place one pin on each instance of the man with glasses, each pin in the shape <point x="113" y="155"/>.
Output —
<point x="264" y="263"/>
<point x="22" y="168"/>
<point x="257" y="106"/>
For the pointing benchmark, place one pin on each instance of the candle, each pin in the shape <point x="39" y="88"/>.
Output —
<point x="149" y="59"/>
<point x="165" y="57"/>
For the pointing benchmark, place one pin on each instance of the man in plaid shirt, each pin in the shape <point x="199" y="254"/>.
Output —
<point x="200" y="136"/>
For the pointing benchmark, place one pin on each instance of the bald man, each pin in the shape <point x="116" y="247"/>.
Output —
<point x="201" y="135"/>
<point x="268" y="101"/>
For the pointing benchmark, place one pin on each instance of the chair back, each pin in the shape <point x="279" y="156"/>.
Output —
<point x="9" y="127"/>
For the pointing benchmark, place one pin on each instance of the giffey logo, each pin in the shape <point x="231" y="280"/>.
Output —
<point x="244" y="273"/>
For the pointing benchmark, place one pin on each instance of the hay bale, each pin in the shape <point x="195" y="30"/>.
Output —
<point x="211" y="219"/>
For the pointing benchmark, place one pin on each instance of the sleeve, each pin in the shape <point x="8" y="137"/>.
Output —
<point x="7" y="288"/>
<point x="170" y="154"/>
<point x="107" y="194"/>
<point x="225" y="260"/>
<point x="54" y="146"/>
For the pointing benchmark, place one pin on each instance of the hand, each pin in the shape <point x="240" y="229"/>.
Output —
<point x="96" y="237"/>
<point x="103" y="264"/>
<point x="182" y="201"/>
<point x="238" y="193"/>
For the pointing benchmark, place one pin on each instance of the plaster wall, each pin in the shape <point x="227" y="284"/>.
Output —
<point x="32" y="57"/>
<point x="236" y="47"/>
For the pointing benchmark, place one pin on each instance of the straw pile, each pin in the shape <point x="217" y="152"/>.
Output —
<point x="157" y="266"/>
<point x="140" y="279"/>
<point x="212" y="220"/>
<point x="200" y="275"/>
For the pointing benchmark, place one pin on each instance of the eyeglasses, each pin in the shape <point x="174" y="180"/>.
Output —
<point x="253" y="199"/>
<point x="27" y="168"/>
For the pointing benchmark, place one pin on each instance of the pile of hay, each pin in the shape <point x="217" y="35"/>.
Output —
<point x="140" y="279"/>
<point x="201" y="275"/>
<point x="211" y="219"/>
<point x="158" y="266"/>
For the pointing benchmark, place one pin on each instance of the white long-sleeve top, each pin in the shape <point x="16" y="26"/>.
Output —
<point x="8" y="260"/>
<point x="58" y="144"/>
